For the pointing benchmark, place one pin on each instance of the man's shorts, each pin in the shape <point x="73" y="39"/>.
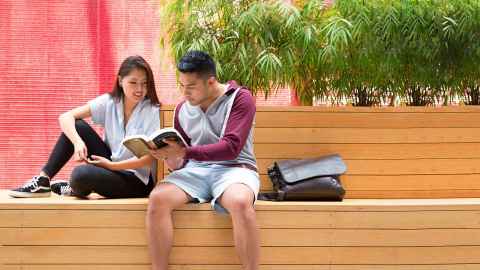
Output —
<point x="206" y="182"/>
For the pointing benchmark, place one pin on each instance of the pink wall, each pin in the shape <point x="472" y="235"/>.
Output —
<point x="59" y="54"/>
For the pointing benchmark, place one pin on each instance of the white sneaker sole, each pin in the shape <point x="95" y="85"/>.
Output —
<point x="18" y="194"/>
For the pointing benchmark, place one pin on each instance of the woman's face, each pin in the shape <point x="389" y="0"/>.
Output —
<point x="134" y="85"/>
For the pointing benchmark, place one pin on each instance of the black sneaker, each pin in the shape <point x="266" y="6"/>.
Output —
<point x="61" y="187"/>
<point x="38" y="186"/>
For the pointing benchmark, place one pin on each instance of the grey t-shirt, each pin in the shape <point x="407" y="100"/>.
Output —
<point x="108" y="112"/>
<point x="224" y="133"/>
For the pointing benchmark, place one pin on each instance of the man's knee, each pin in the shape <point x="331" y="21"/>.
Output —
<point x="165" y="198"/>
<point x="238" y="199"/>
<point x="158" y="198"/>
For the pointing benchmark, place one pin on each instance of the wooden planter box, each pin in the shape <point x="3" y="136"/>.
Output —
<point x="402" y="152"/>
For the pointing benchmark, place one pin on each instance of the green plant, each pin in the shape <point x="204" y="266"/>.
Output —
<point x="371" y="53"/>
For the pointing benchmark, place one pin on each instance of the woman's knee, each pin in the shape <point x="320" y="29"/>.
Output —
<point x="83" y="128"/>
<point x="81" y="124"/>
<point x="80" y="180"/>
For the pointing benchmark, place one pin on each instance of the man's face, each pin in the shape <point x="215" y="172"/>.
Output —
<point x="194" y="88"/>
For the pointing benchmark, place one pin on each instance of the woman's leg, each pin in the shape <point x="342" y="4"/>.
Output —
<point x="39" y="186"/>
<point x="63" y="149"/>
<point x="89" y="178"/>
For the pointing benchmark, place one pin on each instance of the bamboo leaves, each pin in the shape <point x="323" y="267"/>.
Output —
<point x="369" y="53"/>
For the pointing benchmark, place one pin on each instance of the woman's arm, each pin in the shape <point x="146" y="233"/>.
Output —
<point x="67" y="124"/>
<point x="131" y="163"/>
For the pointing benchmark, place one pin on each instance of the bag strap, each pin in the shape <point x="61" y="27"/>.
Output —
<point x="271" y="196"/>
<point x="267" y="196"/>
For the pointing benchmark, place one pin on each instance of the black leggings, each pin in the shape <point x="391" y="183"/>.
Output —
<point x="88" y="178"/>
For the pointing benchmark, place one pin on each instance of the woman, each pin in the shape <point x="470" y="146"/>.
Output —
<point x="110" y="169"/>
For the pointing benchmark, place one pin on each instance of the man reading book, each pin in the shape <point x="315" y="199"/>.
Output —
<point x="217" y="165"/>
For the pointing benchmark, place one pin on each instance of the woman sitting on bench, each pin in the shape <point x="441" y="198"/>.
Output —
<point x="109" y="168"/>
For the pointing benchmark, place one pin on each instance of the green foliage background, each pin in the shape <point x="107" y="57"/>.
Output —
<point x="367" y="52"/>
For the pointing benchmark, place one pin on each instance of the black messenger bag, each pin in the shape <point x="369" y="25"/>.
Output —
<point x="314" y="179"/>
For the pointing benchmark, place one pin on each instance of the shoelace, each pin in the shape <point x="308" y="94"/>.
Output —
<point x="32" y="183"/>
<point x="65" y="190"/>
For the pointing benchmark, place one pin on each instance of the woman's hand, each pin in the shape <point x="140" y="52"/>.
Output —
<point x="101" y="162"/>
<point x="80" y="151"/>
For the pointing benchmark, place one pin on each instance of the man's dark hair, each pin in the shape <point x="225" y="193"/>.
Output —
<point x="198" y="62"/>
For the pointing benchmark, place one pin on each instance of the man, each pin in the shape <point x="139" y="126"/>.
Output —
<point x="217" y="165"/>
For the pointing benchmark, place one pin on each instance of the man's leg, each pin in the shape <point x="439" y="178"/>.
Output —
<point x="163" y="199"/>
<point x="238" y="200"/>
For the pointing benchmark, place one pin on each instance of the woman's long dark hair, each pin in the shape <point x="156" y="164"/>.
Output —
<point x="129" y="64"/>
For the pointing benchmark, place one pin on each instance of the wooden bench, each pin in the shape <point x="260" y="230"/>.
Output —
<point x="412" y="203"/>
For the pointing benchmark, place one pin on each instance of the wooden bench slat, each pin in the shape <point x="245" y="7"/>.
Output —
<point x="363" y="217"/>
<point x="65" y="203"/>
<point x="366" y="120"/>
<point x="403" y="186"/>
<point x="410" y="194"/>
<point x="226" y="255"/>
<point x="68" y="218"/>
<point x="396" y="167"/>
<point x="360" y="135"/>
<point x="238" y="267"/>
<point x="415" y="183"/>
<point x="401" y="182"/>
<point x="358" y="120"/>
<point x="400" y="167"/>
<point x="369" y="151"/>
<point x="345" y="109"/>
<point x="224" y="237"/>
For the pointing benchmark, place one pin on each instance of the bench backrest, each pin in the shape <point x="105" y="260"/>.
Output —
<point x="404" y="152"/>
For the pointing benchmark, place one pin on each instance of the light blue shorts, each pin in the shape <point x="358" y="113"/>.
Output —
<point x="207" y="182"/>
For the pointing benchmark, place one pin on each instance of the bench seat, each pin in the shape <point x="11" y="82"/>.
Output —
<point x="69" y="233"/>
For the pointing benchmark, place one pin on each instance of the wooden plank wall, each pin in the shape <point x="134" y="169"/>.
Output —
<point x="390" y="152"/>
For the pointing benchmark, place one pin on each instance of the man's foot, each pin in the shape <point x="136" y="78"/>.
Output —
<point x="62" y="188"/>
<point x="38" y="186"/>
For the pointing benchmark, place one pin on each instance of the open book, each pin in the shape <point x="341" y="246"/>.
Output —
<point x="141" y="145"/>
